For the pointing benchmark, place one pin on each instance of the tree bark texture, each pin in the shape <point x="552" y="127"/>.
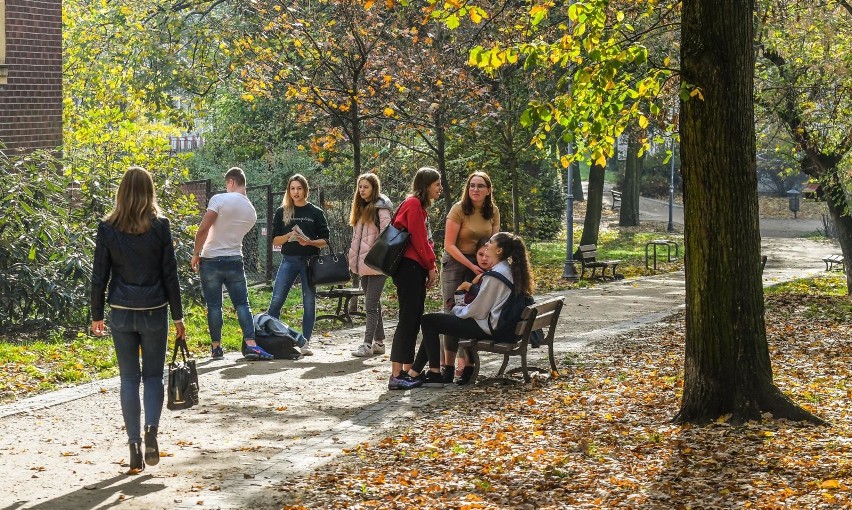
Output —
<point x="838" y="208"/>
<point x="628" y="216"/>
<point x="594" y="202"/>
<point x="577" y="183"/>
<point x="727" y="366"/>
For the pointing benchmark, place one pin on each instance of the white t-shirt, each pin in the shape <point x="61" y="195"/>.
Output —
<point x="236" y="217"/>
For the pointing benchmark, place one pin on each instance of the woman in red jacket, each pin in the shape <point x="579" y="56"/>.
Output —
<point x="416" y="273"/>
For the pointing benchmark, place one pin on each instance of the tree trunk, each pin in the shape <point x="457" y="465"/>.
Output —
<point x="838" y="208"/>
<point x="628" y="216"/>
<point x="577" y="183"/>
<point x="355" y="121"/>
<point x="441" y="157"/>
<point x="727" y="366"/>
<point x="592" y="222"/>
<point x="512" y="164"/>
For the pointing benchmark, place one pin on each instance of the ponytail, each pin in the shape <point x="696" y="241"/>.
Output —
<point x="514" y="252"/>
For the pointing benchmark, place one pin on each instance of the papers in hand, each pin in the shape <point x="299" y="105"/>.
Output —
<point x="298" y="234"/>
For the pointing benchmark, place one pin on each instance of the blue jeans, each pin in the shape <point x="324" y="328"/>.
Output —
<point x="148" y="330"/>
<point x="227" y="271"/>
<point x="291" y="267"/>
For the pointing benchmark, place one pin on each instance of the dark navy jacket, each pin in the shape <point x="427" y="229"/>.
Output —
<point x="140" y="270"/>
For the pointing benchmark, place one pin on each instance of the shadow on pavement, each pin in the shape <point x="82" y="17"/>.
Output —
<point x="131" y="486"/>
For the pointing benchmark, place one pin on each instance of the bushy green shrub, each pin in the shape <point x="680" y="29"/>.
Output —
<point x="45" y="257"/>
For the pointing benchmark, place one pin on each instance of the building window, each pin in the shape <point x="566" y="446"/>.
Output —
<point x="4" y="71"/>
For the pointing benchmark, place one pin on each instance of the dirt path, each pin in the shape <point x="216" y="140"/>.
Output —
<point x="262" y="423"/>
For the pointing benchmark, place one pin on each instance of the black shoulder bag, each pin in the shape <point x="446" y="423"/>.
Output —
<point x="183" y="378"/>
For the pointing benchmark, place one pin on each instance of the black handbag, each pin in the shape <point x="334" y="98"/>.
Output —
<point x="386" y="254"/>
<point x="183" y="378"/>
<point x="331" y="269"/>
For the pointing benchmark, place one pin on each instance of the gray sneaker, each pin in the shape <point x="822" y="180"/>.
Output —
<point x="306" y="349"/>
<point x="378" y="348"/>
<point x="363" y="351"/>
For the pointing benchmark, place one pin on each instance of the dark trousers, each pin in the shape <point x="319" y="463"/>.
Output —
<point x="410" y="281"/>
<point x="434" y="324"/>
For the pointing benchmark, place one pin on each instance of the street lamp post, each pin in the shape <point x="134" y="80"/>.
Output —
<point x="670" y="226"/>
<point x="568" y="271"/>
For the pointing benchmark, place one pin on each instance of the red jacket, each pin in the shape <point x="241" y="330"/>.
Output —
<point x="412" y="217"/>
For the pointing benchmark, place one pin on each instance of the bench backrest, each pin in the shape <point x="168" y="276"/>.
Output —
<point x="543" y="315"/>
<point x="588" y="252"/>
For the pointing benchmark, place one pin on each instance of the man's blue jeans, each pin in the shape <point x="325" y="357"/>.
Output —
<point x="227" y="271"/>
<point x="291" y="267"/>
<point x="148" y="330"/>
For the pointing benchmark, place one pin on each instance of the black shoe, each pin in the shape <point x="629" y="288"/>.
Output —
<point x="152" y="450"/>
<point x="431" y="379"/>
<point x="447" y="373"/>
<point x="136" y="463"/>
<point x="464" y="378"/>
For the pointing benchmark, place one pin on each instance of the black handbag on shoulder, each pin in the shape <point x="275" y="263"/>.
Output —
<point x="183" y="378"/>
<point x="386" y="254"/>
<point x="331" y="269"/>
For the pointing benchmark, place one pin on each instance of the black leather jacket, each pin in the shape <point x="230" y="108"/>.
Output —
<point x="140" y="268"/>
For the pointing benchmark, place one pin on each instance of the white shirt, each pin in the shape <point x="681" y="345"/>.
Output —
<point x="488" y="304"/>
<point x="236" y="216"/>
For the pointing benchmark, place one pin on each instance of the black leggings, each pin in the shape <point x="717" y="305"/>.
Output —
<point x="410" y="281"/>
<point x="432" y="325"/>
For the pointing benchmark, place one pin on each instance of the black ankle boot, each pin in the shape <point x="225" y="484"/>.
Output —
<point x="136" y="463"/>
<point x="152" y="450"/>
<point x="447" y="373"/>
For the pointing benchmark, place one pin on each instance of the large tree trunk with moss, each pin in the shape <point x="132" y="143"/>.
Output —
<point x="577" y="183"/>
<point x="727" y="366"/>
<point x="594" y="202"/>
<point x="628" y="216"/>
<point x="838" y="208"/>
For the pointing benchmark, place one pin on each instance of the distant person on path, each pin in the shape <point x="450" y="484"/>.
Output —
<point x="218" y="256"/>
<point x="300" y="230"/>
<point x="135" y="267"/>
<point x="477" y="319"/>
<point x="416" y="273"/>
<point x="371" y="214"/>
<point x="472" y="218"/>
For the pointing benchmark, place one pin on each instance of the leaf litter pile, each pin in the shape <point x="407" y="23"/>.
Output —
<point x="601" y="436"/>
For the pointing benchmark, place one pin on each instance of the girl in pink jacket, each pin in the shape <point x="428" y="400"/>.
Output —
<point x="371" y="214"/>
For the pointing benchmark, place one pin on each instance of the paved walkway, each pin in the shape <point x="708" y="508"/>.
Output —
<point x="260" y="424"/>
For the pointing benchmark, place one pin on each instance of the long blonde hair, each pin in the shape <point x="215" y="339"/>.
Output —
<point x="135" y="203"/>
<point x="363" y="211"/>
<point x="287" y="202"/>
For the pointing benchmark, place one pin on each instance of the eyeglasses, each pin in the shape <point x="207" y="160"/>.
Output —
<point x="477" y="186"/>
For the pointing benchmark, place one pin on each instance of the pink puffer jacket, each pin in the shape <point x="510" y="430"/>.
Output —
<point x="364" y="235"/>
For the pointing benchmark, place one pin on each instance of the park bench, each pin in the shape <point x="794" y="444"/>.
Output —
<point x="588" y="260"/>
<point x="344" y="295"/>
<point x="616" y="199"/>
<point x="833" y="260"/>
<point x="542" y="316"/>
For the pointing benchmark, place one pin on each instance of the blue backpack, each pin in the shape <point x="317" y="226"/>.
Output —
<point x="510" y="314"/>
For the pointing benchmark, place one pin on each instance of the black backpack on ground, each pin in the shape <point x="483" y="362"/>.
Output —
<point x="280" y="347"/>
<point x="511" y="312"/>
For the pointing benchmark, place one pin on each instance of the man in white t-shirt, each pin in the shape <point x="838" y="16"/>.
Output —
<point x="218" y="256"/>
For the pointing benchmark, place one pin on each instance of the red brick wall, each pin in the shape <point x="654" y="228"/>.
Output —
<point x="31" y="101"/>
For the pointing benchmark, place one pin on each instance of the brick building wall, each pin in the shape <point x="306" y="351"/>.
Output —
<point x="31" y="98"/>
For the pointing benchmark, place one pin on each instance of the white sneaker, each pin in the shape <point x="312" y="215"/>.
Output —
<point x="363" y="351"/>
<point x="306" y="349"/>
<point x="378" y="348"/>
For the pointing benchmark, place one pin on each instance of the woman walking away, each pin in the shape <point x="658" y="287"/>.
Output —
<point x="135" y="261"/>
<point x="300" y="229"/>
<point x="477" y="319"/>
<point x="416" y="273"/>
<point x="371" y="214"/>
<point x="472" y="218"/>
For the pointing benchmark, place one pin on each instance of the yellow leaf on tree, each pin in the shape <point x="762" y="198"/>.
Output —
<point x="643" y="121"/>
<point x="697" y="92"/>
<point x="368" y="4"/>
<point x="564" y="161"/>
<point x="388" y="112"/>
